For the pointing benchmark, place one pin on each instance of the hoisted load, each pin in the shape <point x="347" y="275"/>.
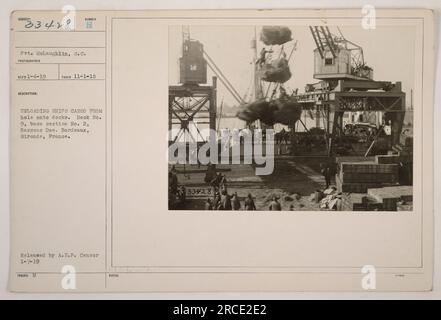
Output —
<point x="256" y="110"/>
<point x="275" y="71"/>
<point x="275" y="35"/>
<point x="287" y="110"/>
<point x="284" y="110"/>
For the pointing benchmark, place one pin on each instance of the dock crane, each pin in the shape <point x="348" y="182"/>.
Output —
<point x="193" y="102"/>
<point x="324" y="40"/>
<point x="347" y="85"/>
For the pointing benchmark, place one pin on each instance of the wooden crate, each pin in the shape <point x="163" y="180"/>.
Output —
<point x="369" y="177"/>
<point x="367" y="167"/>
<point x="389" y="196"/>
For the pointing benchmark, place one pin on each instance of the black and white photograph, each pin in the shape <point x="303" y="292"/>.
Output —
<point x="296" y="154"/>
<point x="291" y="118"/>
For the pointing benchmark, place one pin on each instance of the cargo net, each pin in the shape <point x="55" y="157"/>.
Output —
<point x="275" y="71"/>
<point x="275" y="35"/>
<point x="285" y="110"/>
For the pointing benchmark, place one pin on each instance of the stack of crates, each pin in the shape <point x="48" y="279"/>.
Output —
<point x="397" y="198"/>
<point x="390" y="196"/>
<point x="353" y="202"/>
<point x="360" y="176"/>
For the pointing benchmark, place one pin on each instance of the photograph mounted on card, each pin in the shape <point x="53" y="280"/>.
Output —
<point x="211" y="150"/>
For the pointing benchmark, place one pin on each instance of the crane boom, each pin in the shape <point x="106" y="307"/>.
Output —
<point x="335" y="47"/>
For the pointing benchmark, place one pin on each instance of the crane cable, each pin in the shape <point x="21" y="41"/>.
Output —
<point x="221" y="74"/>
<point x="212" y="65"/>
<point x="220" y="115"/>
<point x="238" y="99"/>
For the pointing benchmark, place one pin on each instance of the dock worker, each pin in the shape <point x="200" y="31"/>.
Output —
<point x="249" y="203"/>
<point x="173" y="181"/>
<point x="217" y="201"/>
<point x="275" y="205"/>
<point x="216" y="181"/>
<point x="208" y="204"/>
<point x="262" y="59"/>
<point x="210" y="173"/>
<point x="339" y="203"/>
<point x="226" y="201"/>
<point x="388" y="128"/>
<point x="326" y="172"/>
<point x="235" y="202"/>
<point x="182" y="194"/>
<point x="222" y="182"/>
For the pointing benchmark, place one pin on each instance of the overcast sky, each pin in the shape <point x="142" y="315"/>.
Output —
<point x="389" y="50"/>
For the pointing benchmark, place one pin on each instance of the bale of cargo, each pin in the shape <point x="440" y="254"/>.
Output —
<point x="286" y="111"/>
<point x="275" y="35"/>
<point x="256" y="110"/>
<point x="275" y="71"/>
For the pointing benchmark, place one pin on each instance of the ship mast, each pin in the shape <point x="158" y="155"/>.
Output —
<point x="257" y="84"/>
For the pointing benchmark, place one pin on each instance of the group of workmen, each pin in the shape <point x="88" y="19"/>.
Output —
<point x="224" y="201"/>
<point x="221" y="199"/>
